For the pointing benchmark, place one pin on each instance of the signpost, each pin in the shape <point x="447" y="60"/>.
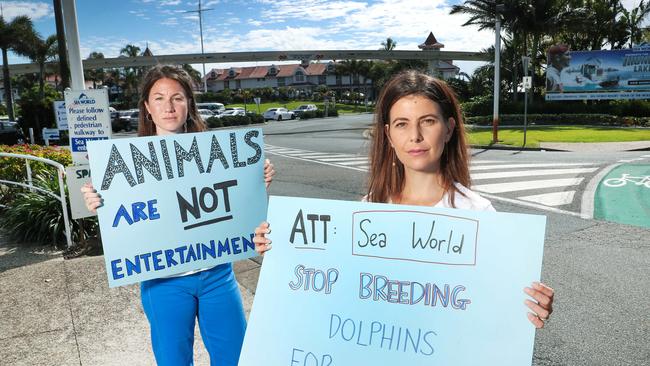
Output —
<point x="50" y="134"/>
<point x="528" y="83"/>
<point x="356" y="283"/>
<point x="89" y="119"/>
<point x="177" y="203"/>
<point x="77" y="176"/>
<point x="60" y="115"/>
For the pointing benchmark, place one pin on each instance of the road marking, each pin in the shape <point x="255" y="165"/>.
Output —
<point x="526" y="185"/>
<point x="528" y="173"/>
<point x="588" y="196"/>
<point x="536" y="165"/>
<point x="551" y="199"/>
<point x="352" y="158"/>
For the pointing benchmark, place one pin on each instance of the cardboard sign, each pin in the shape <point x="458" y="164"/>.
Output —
<point x="89" y="119"/>
<point x="60" y="115"/>
<point x="77" y="176"/>
<point x="178" y="203"/>
<point x="353" y="283"/>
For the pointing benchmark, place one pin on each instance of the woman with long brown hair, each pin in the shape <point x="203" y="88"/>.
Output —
<point x="419" y="156"/>
<point x="211" y="295"/>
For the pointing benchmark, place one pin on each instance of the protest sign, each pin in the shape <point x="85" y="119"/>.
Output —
<point x="88" y="118"/>
<point x="177" y="203"/>
<point x="355" y="283"/>
<point x="76" y="176"/>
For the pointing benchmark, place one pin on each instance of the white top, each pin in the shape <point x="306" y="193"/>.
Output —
<point x="469" y="201"/>
<point x="553" y="80"/>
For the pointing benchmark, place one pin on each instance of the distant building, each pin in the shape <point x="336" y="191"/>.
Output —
<point x="444" y="69"/>
<point x="304" y="76"/>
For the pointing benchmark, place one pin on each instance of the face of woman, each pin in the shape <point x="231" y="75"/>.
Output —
<point x="168" y="106"/>
<point x="418" y="133"/>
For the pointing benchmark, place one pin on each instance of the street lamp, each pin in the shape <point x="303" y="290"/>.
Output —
<point x="525" y="61"/>
<point x="200" y="12"/>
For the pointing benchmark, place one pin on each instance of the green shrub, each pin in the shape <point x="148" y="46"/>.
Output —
<point x="38" y="217"/>
<point x="319" y="113"/>
<point x="256" y="118"/>
<point x="561" y="119"/>
<point x="229" y="121"/>
<point x="214" y="122"/>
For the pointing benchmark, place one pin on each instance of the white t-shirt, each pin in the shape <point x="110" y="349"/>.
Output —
<point x="469" y="200"/>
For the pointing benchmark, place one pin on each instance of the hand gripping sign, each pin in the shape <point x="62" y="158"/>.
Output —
<point x="177" y="203"/>
<point x="353" y="283"/>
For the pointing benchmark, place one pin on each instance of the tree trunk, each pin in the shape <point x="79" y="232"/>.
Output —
<point x="41" y="80"/>
<point x="7" y="85"/>
<point x="63" y="55"/>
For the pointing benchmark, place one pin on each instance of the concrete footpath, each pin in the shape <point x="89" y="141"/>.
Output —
<point x="61" y="312"/>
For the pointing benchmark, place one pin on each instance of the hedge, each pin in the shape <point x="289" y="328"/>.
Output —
<point x="229" y="121"/>
<point x="319" y="113"/>
<point x="561" y="119"/>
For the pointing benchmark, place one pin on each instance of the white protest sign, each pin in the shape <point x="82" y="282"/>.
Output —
<point x="177" y="203"/>
<point x="89" y="119"/>
<point x="357" y="283"/>
<point x="60" y="115"/>
<point x="77" y="176"/>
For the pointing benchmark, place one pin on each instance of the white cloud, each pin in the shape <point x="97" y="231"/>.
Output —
<point x="35" y="11"/>
<point x="314" y="10"/>
<point x="170" y="2"/>
<point x="255" y="23"/>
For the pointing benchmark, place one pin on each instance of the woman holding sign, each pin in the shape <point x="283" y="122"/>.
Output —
<point x="419" y="156"/>
<point x="173" y="304"/>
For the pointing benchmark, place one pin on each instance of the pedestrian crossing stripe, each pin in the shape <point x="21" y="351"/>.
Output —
<point x="487" y="173"/>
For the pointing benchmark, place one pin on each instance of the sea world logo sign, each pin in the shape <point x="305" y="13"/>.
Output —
<point x="83" y="99"/>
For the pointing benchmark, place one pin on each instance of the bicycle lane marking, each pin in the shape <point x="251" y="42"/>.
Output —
<point x="623" y="195"/>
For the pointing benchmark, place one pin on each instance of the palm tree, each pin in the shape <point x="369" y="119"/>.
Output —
<point x="96" y="74"/>
<point x="41" y="51"/>
<point x="194" y="74"/>
<point x="131" y="74"/>
<point x="389" y="45"/>
<point x="633" y="20"/>
<point x="12" y="37"/>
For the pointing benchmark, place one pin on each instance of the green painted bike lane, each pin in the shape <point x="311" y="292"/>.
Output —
<point x="624" y="195"/>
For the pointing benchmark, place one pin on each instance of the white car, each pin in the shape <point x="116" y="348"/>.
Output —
<point x="278" y="114"/>
<point x="205" y="114"/>
<point x="233" y="112"/>
<point x="304" y="108"/>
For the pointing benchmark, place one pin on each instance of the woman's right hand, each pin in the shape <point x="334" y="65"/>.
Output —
<point x="262" y="243"/>
<point x="91" y="197"/>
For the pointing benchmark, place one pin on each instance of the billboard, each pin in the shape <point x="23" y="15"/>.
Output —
<point x="601" y="74"/>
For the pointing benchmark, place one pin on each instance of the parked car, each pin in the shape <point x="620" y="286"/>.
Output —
<point x="304" y="108"/>
<point x="215" y="108"/>
<point x="120" y="120"/>
<point x="134" y="120"/>
<point x="205" y="114"/>
<point x="278" y="114"/>
<point x="233" y="112"/>
<point x="11" y="133"/>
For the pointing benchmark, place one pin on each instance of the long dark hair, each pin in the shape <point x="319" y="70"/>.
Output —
<point x="386" y="178"/>
<point x="194" y="123"/>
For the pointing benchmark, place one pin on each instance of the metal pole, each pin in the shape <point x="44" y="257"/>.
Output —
<point x="205" y="79"/>
<point x="497" y="66"/>
<point x="64" y="70"/>
<point x="524" y="62"/>
<point x="74" y="54"/>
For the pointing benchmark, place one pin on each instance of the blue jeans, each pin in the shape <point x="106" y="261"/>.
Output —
<point x="173" y="304"/>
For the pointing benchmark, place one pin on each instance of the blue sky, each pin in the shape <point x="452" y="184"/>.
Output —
<point x="235" y="25"/>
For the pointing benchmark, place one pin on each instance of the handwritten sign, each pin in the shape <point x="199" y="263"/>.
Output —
<point x="178" y="203"/>
<point x="353" y="283"/>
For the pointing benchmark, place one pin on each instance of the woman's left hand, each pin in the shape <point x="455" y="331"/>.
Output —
<point x="542" y="307"/>
<point x="269" y="172"/>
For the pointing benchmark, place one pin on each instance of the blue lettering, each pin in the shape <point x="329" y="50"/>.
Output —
<point x="169" y="256"/>
<point x="191" y="254"/>
<point x="156" y="260"/>
<point x="153" y="211"/>
<point x="138" y="211"/>
<point x="132" y="267"/>
<point x="146" y="257"/>
<point x="180" y="251"/>
<point x="224" y="247"/>
<point x="122" y="212"/>
<point x="116" y="270"/>
<point x="235" y="246"/>
<point x="211" y="250"/>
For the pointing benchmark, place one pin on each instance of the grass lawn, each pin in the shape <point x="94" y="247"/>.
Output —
<point x="537" y="134"/>
<point x="342" y="108"/>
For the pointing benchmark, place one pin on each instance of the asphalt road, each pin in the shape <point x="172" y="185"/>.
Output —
<point x="599" y="270"/>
